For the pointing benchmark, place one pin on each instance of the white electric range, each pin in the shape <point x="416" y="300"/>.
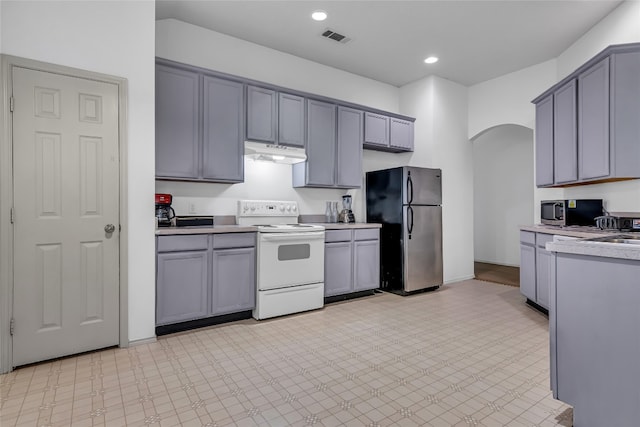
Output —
<point x="290" y="258"/>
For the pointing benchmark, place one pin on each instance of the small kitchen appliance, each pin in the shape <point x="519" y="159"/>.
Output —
<point x="346" y="215"/>
<point x="164" y="211"/>
<point x="570" y="212"/>
<point x="620" y="221"/>
<point x="290" y="258"/>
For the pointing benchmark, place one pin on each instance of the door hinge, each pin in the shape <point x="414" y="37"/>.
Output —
<point x="12" y="216"/>
<point x="12" y="326"/>
<point x="11" y="104"/>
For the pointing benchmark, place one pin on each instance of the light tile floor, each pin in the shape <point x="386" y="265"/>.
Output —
<point x="469" y="354"/>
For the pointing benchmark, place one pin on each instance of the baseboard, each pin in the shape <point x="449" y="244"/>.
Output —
<point x="459" y="279"/>
<point x="149" y="340"/>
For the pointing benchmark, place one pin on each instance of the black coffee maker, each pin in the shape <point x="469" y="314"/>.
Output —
<point x="164" y="211"/>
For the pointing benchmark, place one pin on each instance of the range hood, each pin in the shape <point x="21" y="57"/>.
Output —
<point x="274" y="153"/>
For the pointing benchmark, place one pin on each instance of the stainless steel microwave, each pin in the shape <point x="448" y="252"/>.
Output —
<point x="570" y="211"/>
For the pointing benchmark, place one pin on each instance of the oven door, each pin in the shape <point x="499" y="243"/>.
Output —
<point x="290" y="259"/>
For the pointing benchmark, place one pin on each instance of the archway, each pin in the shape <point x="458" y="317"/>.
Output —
<point x="503" y="161"/>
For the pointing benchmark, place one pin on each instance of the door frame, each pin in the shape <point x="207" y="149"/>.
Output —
<point x="7" y="62"/>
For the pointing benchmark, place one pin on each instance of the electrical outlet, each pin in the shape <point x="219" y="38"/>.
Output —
<point x="192" y="208"/>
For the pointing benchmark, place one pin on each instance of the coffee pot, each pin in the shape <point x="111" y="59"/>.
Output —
<point x="346" y="215"/>
<point x="164" y="211"/>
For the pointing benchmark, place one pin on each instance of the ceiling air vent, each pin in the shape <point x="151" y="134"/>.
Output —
<point x="330" y="34"/>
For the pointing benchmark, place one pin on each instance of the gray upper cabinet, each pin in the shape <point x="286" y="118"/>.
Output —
<point x="291" y="124"/>
<point x="544" y="142"/>
<point x="177" y="123"/>
<point x="334" y="148"/>
<point x="262" y="114"/>
<point x="223" y="134"/>
<point x="349" y="158"/>
<point x="401" y="134"/>
<point x="565" y="149"/>
<point x="376" y="130"/>
<point x="199" y="126"/>
<point x="387" y="133"/>
<point x="275" y="117"/>
<point x="595" y="122"/>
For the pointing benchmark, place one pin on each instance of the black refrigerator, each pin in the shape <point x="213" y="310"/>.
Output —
<point x="407" y="202"/>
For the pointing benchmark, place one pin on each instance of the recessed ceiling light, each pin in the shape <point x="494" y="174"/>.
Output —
<point x="319" y="15"/>
<point x="431" y="60"/>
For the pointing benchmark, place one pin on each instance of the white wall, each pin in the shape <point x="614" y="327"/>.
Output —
<point x="197" y="46"/>
<point x="117" y="38"/>
<point x="503" y="195"/>
<point x="507" y="99"/>
<point x="440" y="108"/>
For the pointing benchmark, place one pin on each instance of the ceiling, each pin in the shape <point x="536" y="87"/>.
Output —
<point x="475" y="40"/>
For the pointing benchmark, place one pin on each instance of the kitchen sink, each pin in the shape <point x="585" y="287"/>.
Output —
<point x="628" y="239"/>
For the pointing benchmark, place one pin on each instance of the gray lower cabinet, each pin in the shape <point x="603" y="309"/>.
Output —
<point x="352" y="261"/>
<point x="203" y="275"/>
<point x="589" y="132"/>
<point x="528" y="265"/>
<point x="199" y="125"/>
<point x="593" y="330"/>
<point x="233" y="281"/>
<point x="535" y="267"/>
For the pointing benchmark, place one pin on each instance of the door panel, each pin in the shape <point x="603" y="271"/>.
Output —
<point x="423" y="247"/>
<point x="65" y="153"/>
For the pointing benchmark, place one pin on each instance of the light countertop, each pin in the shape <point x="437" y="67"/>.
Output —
<point x="598" y="249"/>
<point x="573" y="231"/>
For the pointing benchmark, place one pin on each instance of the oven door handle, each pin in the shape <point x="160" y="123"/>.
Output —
<point x="286" y="237"/>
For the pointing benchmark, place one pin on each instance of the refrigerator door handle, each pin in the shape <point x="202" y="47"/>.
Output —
<point x="409" y="189"/>
<point x="409" y="221"/>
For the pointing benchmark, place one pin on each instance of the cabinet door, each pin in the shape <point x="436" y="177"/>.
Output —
<point x="401" y="134"/>
<point x="321" y="143"/>
<point x="544" y="142"/>
<point x="233" y="280"/>
<point x="376" y="130"/>
<point x="223" y="142"/>
<point x="261" y="114"/>
<point x="528" y="271"/>
<point x="290" y="120"/>
<point x="349" y="157"/>
<point x="593" y="121"/>
<point x="366" y="265"/>
<point x="337" y="268"/>
<point x="182" y="286"/>
<point x="565" y="144"/>
<point x="177" y="122"/>
<point x="543" y="265"/>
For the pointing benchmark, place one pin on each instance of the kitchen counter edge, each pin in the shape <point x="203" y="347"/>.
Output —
<point x="582" y="246"/>
<point x="345" y="225"/>
<point x="172" y="231"/>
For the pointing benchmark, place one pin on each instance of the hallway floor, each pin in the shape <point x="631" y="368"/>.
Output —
<point x="470" y="354"/>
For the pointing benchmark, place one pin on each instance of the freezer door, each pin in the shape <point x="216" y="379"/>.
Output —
<point x="422" y="236"/>
<point x="421" y="186"/>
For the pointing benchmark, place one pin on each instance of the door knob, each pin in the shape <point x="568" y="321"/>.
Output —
<point x="109" y="228"/>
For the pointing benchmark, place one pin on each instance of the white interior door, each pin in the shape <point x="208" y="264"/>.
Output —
<point x="66" y="193"/>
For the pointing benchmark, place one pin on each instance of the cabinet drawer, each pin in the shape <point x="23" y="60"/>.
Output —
<point x="528" y="237"/>
<point x="543" y="238"/>
<point x="337" y="236"/>
<point x="183" y="243"/>
<point x="234" y="240"/>
<point x="367" y="234"/>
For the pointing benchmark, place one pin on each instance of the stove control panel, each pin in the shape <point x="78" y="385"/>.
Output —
<point x="267" y="208"/>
